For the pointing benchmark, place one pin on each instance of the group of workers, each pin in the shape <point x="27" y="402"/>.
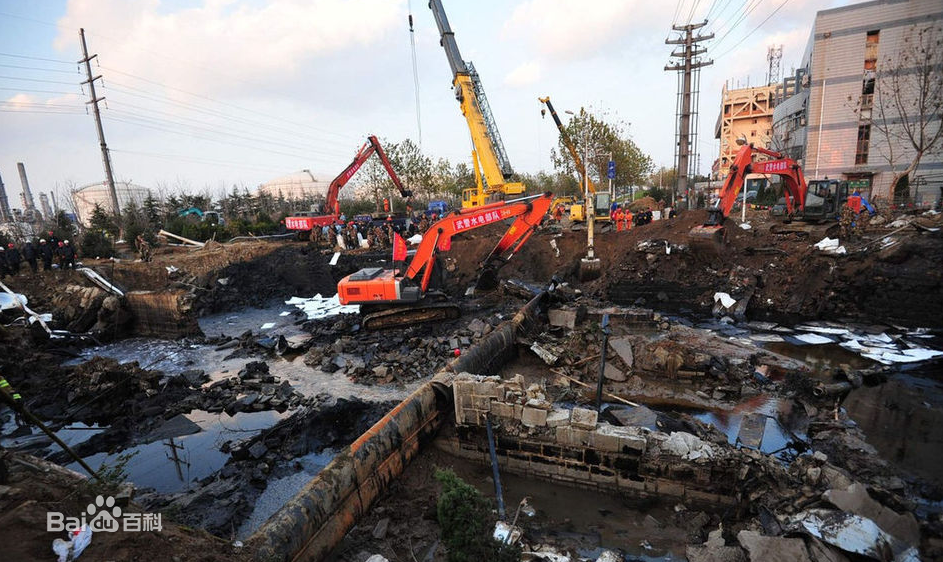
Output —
<point x="32" y="252"/>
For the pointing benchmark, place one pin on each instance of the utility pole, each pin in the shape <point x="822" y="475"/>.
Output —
<point x="5" y="214"/>
<point x="106" y="158"/>
<point x="689" y="73"/>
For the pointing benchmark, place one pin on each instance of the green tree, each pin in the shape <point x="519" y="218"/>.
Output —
<point x="101" y="221"/>
<point x="595" y="138"/>
<point x="465" y="519"/>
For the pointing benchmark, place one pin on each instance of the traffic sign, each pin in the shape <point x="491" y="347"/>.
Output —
<point x="612" y="170"/>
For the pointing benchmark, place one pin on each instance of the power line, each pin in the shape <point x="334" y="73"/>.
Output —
<point x="34" y="58"/>
<point x="36" y="91"/>
<point x="693" y="8"/>
<point x="182" y="158"/>
<point x="37" y="80"/>
<point x="234" y="106"/>
<point x="674" y="18"/>
<point x="145" y="94"/>
<point x="39" y="68"/>
<point x="754" y="29"/>
<point x="50" y="112"/>
<point x="739" y="20"/>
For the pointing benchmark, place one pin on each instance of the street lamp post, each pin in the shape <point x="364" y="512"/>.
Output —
<point x="590" y="265"/>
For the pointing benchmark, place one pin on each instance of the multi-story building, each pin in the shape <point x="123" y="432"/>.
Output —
<point x="830" y="116"/>
<point x="744" y="112"/>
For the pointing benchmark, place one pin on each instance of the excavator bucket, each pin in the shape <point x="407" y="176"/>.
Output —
<point x="707" y="240"/>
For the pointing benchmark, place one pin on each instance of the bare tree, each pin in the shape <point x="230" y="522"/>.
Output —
<point x="908" y="104"/>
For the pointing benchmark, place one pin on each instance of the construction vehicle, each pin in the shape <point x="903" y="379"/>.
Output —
<point x="493" y="173"/>
<point x="601" y="200"/>
<point x="330" y="213"/>
<point x="412" y="294"/>
<point x="212" y="217"/>
<point x="816" y="201"/>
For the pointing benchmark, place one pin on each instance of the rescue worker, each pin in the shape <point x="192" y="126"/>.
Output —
<point x="53" y="240"/>
<point x="3" y="263"/>
<point x="627" y="219"/>
<point x="144" y="249"/>
<point x="847" y="223"/>
<point x="29" y="254"/>
<point x="45" y="252"/>
<point x="13" y="259"/>
<point x="558" y="213"/>
<point x="68" y="255"/>
<point x="618" y="216"/>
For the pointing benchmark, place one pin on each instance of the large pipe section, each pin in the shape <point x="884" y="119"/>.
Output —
<point x="315" y="520"/>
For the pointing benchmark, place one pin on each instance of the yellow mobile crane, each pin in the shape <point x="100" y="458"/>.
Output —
<point x="493" y="173"/>
<point x="601" y="199"/>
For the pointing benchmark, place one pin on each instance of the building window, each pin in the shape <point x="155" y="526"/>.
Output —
<point x="864" y="140"/>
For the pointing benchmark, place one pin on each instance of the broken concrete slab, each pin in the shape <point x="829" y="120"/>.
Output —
<point x="773" y="549"/>
<point x="174" y="427"/>
<point x="639" y="416"/>
<point x="853" y="533"/>
<point x="855" y="499"/>
<point x="614" y="374"/>
<point x="623" y="348"/>
<point x="710" y="553"/>
<point x="534" y="417"/>
<point x="558" y="417"/>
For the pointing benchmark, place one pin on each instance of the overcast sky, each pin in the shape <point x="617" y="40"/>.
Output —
<point x="217" y="92"/>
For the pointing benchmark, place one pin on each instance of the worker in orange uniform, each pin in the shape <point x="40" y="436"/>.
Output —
<point x="627" y="217"/>
<point x="617" y="216"/>
<point x="386" y="205"/>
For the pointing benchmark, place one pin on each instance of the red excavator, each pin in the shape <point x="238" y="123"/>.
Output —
<point x="712" y="233"/>
<point x="410" y="294"/>
<point x="331" y="211"/>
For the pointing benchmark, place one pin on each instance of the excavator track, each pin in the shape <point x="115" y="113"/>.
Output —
<point x="411" y="314"/>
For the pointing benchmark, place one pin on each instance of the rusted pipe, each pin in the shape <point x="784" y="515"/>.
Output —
<point x="832" y="389"/>
<point x="315" y="520"/>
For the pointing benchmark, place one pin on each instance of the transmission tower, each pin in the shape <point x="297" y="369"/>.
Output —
<point x="774" y="56"/>
<point x="689" y="87"/>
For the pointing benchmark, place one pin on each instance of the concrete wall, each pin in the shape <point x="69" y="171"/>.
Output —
<point x="571" y="446"/>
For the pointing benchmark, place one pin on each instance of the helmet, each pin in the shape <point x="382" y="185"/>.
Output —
<point x="10" y="245"/>
<point x="42" y="240"/>
<point x="66" y="242"/>
<point x="60" y="244"/>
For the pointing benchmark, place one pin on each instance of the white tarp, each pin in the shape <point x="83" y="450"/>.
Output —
<point x="321" y="307"/>
<point x="726" y="300"/>
<point x="830" y="245"/>
<point x="7" y="302"/>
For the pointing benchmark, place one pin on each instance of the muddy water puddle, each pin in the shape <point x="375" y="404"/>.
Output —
<point x="174" y="464"/>
<point x="586" y="521"/>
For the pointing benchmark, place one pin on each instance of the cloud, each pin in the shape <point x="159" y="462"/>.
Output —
<point x="574" y="28"/>
<point x="524" y="75"/>
<point x="225" y="45"/>
<point x="20" y="101"/>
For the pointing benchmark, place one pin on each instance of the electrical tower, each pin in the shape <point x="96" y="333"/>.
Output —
<point x="106" y="158"/>
<point x="774" y="56"/>
<point x="689" y="81"/>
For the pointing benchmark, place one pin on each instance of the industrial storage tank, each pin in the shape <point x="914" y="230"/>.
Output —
<point x="301" y="185"/>
<point x="85" y="198"/>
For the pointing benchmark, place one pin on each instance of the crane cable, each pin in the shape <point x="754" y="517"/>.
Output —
<point x="412" y="41"/>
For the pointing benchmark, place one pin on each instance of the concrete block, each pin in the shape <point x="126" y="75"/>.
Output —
<point x="481" y="402"/>
<point x="566" y="317"/>
<point x="584" y="418"/>
<point x="539" y="403"/>
<point x="558" y="417"/>
<point x="489" y="388"/>
<point x="534" y="417"/>
<point x="669" y="488"/>
<point x="573" y="437"/>
<point x="606" y="441"/>
<point x="634" y="443"/>
<point x="504" y="410"/>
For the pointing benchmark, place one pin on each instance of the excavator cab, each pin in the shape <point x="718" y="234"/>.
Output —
<point x="824" y="200"/>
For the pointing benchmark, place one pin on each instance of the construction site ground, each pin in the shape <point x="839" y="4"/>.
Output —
<point x="255" y="398"/>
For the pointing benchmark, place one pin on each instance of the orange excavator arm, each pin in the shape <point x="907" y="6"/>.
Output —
<point x="743" y="164"/>
<point x="372" y="145"/>
<point x="529" y="211"/>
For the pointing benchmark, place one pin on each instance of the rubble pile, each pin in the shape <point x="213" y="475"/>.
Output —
<point x="391" y="357"/>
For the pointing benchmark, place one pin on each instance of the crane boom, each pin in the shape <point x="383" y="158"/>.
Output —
<point x="489" y="149"/>
<point x="577" y="161"/>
